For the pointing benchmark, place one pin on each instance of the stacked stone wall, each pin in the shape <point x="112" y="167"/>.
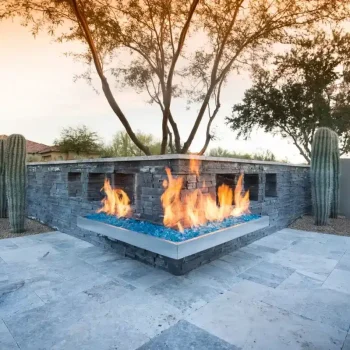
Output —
<point x="59" y="192"/>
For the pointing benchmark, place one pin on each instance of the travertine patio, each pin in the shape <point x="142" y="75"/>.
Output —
<point x="290" y="290"/>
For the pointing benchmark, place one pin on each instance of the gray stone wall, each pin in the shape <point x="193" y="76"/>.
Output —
<point x="182" y="266"/>
<point x="58" y="192"/>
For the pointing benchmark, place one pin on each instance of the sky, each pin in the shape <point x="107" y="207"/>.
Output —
<point x="38" y="98"/>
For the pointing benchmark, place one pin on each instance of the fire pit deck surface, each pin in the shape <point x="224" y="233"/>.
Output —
<point x="169" y="234"/>
<point x="171" y="249"/>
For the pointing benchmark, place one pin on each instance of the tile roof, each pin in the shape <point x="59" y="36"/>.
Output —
<point x="32" y="147"/>
<point x="50" y="149"/>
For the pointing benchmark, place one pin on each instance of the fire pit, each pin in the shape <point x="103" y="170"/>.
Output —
<point x="197" y="225"/>
<point x="194" y="202"/>
<point x="177" y="257"/>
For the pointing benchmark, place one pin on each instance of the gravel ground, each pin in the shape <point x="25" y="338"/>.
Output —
<point x="32" y="227"/>
<point x="340" y="226"/>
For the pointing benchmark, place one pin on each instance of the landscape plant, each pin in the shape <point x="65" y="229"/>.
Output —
<point x="79" y="140"/>
<point x="3" y="199"/>
<point x="305" y="88"/>
<point x="336" y="177"/>
<point x="266" y="155"/>
<point x="322" y="174"/>
<point x="15" y="178"/>
<point x="122" y="145"/>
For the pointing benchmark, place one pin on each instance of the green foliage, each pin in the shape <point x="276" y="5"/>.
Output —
<point x="33" y="158"/>
<point x="322" y="174"/>
<point x="3" y="199"/>
<point x="308" y="87"/>
<point x="79" y="140"/>
<point x="122" y="145"/>
<point x="336" y="178"/>
<point x="15" y="160"/>
<point x="221" y="152"/>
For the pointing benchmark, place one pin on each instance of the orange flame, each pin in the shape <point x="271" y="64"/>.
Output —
<point x="184" y="210"/>
<point x="194" y="166"/>
<point x="196" y="208"/>
<point x="116" y="201"/>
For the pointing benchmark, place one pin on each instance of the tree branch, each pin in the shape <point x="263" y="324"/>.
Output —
<point x="168" y="92"/>
<point x="105" y="86"/>
<point x="171" y="146"/>
<point x="211" y="119"/>
<point x="291" y="134"/>
<point x="213" y="80"/>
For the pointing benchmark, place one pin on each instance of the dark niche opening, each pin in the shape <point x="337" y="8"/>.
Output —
<point x="74" y="185"/>
<point x="271" y="185"/>
<point x="251" y="183"/>
<point x="126" y="182"/>
<point x="95" y="184"/>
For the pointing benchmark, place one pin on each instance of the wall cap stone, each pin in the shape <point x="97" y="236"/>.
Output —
<point x="167" y="157"/>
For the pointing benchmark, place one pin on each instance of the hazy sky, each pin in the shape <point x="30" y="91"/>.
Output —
<point x="38" y="98"/>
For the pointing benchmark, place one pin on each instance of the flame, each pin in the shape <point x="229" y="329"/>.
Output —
<point x="196" y="208"/>
<point x="194" y="166"/>
<point x="241" y="202"/>
<point x="172" y="202"/>
<point x="181" y="211"/>
<point x="116" y="201"/>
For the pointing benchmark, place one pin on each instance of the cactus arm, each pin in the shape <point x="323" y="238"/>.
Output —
<point x="15" y="178"/>
<point x="322" y="174"/>
<point x="336" y="179"/>
<point x="3" y="199"/>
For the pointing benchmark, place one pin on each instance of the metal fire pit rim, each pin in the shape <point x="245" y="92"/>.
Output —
<point x="174" y="250"/>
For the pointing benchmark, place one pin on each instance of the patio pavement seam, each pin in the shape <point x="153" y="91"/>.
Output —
<point x="334" y="267"/>
<point x="10" y="333"/>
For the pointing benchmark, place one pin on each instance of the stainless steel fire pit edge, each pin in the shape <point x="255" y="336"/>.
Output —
<point x="174" y="250"/>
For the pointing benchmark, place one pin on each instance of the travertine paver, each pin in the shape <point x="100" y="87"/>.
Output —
<point x="271" y="275"/>
<point x="289" y="290"/>
<point x="321" y="304"/>
<point x="344" y="263"/>
<point x="346" y="345"/>
<point x="185" y="332"/>
<point x="255" y="325"/>
<point x="7" y="342"/>
<point x="338" y="280"/>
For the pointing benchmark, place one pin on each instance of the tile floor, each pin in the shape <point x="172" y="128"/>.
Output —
<point x="290" y="290"/>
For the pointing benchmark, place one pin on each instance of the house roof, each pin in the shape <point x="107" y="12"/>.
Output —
<point x="32" y="147"/>
<point x="48" y="149"/>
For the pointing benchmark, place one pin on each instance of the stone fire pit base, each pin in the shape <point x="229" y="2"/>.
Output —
<point x="178" y="258"/>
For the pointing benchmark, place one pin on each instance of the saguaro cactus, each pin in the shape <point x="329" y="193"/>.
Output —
<point x="322" y="174"/>
<point x="336" y="179"/>
<point x="15" y="162"/>
<point x="3" y="200"/>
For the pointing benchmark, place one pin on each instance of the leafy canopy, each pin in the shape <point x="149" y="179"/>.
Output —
<point x="122" y="145"/>
<point x="221" y="152"/>
<point x="79" y="140"/>
<point x="176" y="48"/>
<point x="307" y="87"/>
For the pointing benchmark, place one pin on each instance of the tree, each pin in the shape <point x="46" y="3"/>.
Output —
<point x="79" y="140"/>
<point x="156" y="34"/>
<point x="221" y="152"/>
<point x="308" y="87"/>
<point x="122" y="145"/>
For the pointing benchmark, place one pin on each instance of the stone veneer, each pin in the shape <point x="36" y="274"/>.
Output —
<point x="59" y="192"/>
